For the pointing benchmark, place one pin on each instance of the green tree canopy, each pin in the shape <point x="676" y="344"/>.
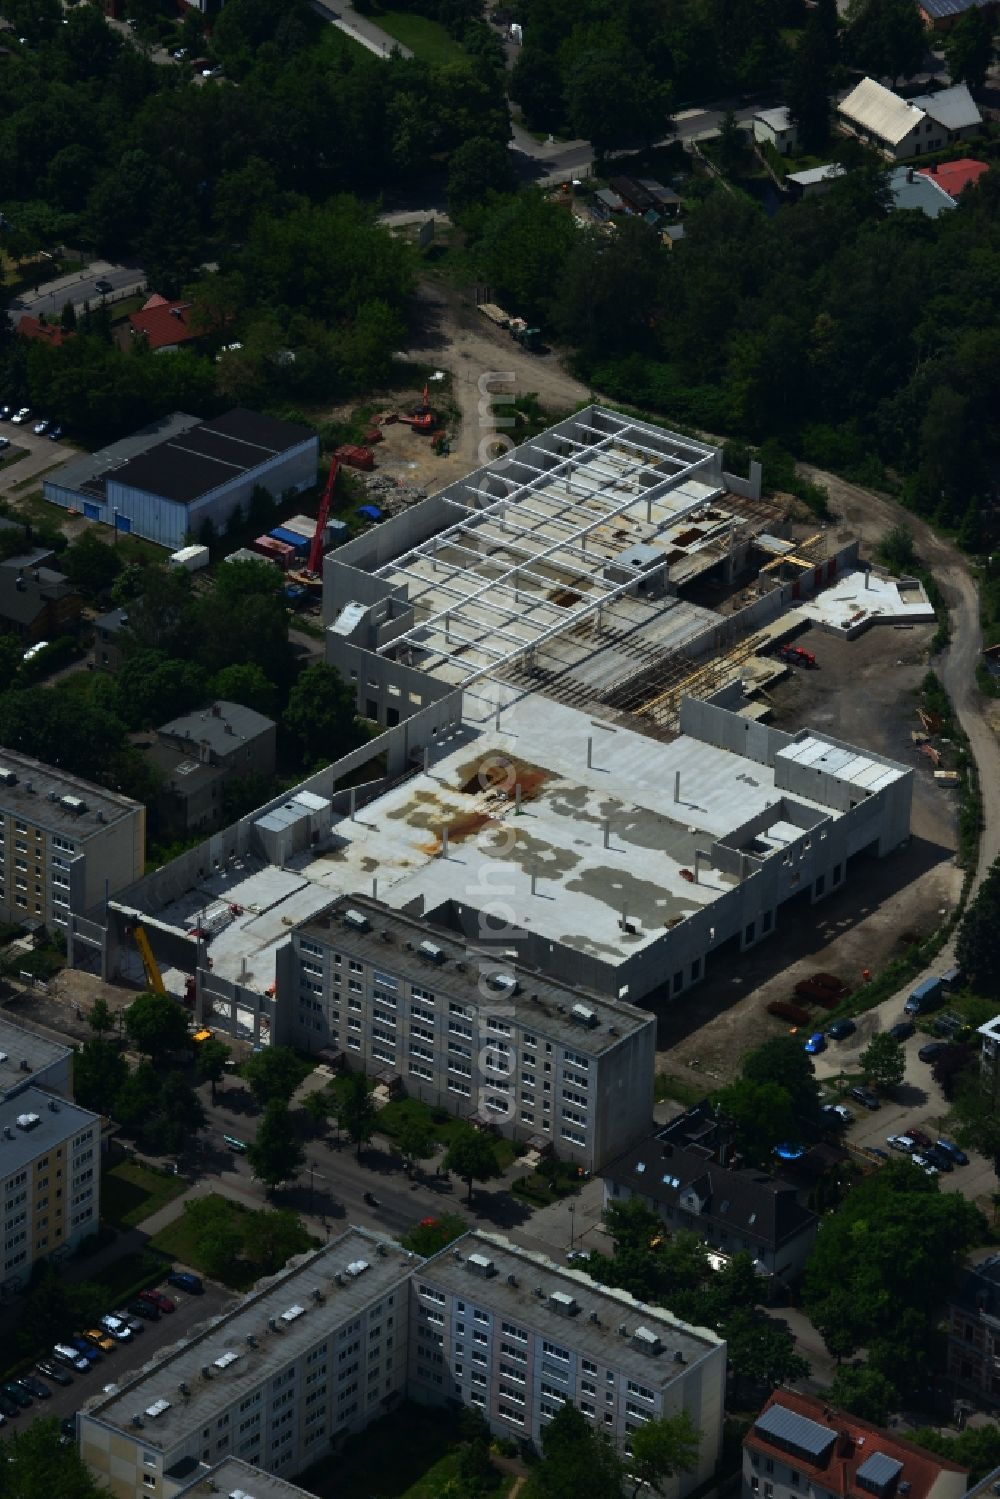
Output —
<point x="761" y="1115"/>
<point x="245" y="683"/>
<point x="91" y="564"/>
<point x="321" y="716"/>
<point x="884" y="1061"/>
<point x="356" y="1110"/>
<point x="784" y="1061"/>
<point x="968" y="47"/>
<point x="578" y="1462"/>
<point x="885" y="37"/>
<point x="863" y="1391"/>
<point x="37" y="1465"/>
<point x="212" y="1057"/>
<point x="156" y="1023"/>
<point x="977" y="948"/>
<point x="100" y="1018"/>
<point x="471" y="1156"/>
<point x="276" y="1155"/>
<point x="661" y="1449"/>
<point x="99" y="1071"/>
<point x="273" y="1072"/>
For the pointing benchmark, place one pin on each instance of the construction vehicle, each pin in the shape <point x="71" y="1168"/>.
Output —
<point x="311" y="577"/>
<point x="796" y="656"/>
<point x="154" y="978"/>
<point x="421" y="420"/>
<point x="528" y="338"/>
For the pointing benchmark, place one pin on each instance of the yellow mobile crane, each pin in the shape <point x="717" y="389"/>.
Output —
<point x="153" y="977"/>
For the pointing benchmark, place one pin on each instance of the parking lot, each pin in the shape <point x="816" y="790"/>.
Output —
<point x="127" y="1357"/>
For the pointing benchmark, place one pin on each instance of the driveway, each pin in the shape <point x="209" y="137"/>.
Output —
<point x="41" y="456"/>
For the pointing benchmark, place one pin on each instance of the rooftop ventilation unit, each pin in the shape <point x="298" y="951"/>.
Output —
<point x="431" y="952"/>
<point x="357" y="919"/>
<point x="8" y="1133"/>
<point x="505" y="982"/>
<point x="539" y="1291"/>
<point x="251" y="1340"/>
<point x="512" y="1280"/>
<point x="293" y="1313"/>
<point x="564" y="1304"/>
<point x="25" y="1065"/>
<point x="646" y="1341"/>
<point x="481" y="1264"/>
<point x="584" y="1015"/>
<point x="381" y="1251"/>
<point x="28" y="1121"/>
<point x="7" y="776"/>
<point x="182" y="1389"/>
<point x="679" y="1357"/>
<point x="356" y="1268"/>
<point x="3" y="1056"/>
<point x="272" y="1324"/>
<point x="595" y="1319"/>
<point x="225" y="1359"/>
<point x="53" y="1106"/>
<point x="157" y="1408"/>
<point x="74" y="804"/>
<point x="206" y="1372"/>
<point x="622" y="1330"/>
<point x="137" y="1420"/>
<point x="317" y="1294"/>
<point x="457" y="1256"/>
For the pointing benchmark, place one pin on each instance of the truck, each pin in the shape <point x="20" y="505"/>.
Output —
<point x="924" y="997"/>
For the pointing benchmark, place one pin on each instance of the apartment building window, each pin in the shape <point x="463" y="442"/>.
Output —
<point x="576" y="1060"/>
<point x="384" y="1055"/>
<point x="552" y="1350"/>
<point x="427" y="1073"/>
<point x="516" y="1332"/>
<point x="356" y="967"/>
<point x="793" y="1479"/>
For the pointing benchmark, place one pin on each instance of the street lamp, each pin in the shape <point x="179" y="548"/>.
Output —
<point x="572" y="1223"/>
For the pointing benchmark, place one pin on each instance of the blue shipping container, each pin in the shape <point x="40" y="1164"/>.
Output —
<point x="290" y="538"/>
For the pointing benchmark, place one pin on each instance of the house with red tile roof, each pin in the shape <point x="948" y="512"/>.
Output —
<point x="165" y="325"/>
<point x="800" y="1446"/>
<point x="955" y="176"/>
<point x="46" y="333"/>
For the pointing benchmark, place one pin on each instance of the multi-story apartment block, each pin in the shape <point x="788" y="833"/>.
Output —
<point x="314" y="1353"/>
<point x="515" y="1335"/>
<point x="65" y="843"/>
<point x="801" y="1448"/>
<point x="236" y="1479"/>
<point x="974" y="1333"/>
<point x="326" y="1346"/>
<point x="50" y="1179"/>
<point x="536" y="1060"/>
<point x="30" y="1060"/>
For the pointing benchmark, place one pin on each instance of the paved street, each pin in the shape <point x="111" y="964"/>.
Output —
<point x="79" y="288"/>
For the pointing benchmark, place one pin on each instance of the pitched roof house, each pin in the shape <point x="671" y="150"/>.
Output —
<point x="901" y="128"/>
<point x="165" y="325"/>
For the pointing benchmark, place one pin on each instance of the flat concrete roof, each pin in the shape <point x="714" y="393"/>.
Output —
<point x="235" y="1477"/>
<point x="52" y="1121"/>
<point x="510" y="1289"/>
<point x="555" y="843"/>
<point x="24" y="1054"/>
<point x="861" y="598"/>
<point x="237" y="1367"/>
<point x="41" y="805"/>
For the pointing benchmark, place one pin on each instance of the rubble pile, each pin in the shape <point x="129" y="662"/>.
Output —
<point x="392" y="495"/>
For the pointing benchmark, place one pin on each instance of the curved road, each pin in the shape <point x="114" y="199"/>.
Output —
<point x="871" y="515"/>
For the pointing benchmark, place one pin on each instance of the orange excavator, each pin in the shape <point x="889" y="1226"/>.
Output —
<point x="421" y="421"/>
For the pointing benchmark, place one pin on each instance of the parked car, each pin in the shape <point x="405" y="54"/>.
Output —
<point x="883" y="1155"/>
<point x="161" y="1302"/>
<point x="4" y="442"/>
<point x="842" y="1112"/>
<point x="931" y="1050"/>
<point x="575" y="1256"/>
<point x="89" y="1352"/>
<point x="866" y="1097"/>
<point x="99" y="1337"/>
<point x="920" y="1138"/>
<point x="67" y="1431"/>
<point x="118" y="1329"/>
<point x="70" y="1355"/>
<point x="133" y="1323"/>
<point x="234" y="1143"/>
<point x="215" y="72"/>
<point x="21" y="416"/>
<point x="20" y="1396"/>
<point x="816" y="1043"/>
<point x="904" y="1143"/>
<point x="103" y="286"/>
<point x="56" y="433"/>
<point x="34" y="1387"/>
<point x="902" y="1030"/>
<point x="926" y="1166"/>
<point x="185" y="1281"/>
<point x="179" y="54"/>
<point x="40" y="428"/>
<point x="841" y="1029"/>
<point x="958" y="1156"/>
<point x="147" y="1309"/>
<point x="8" y="1407"/>
<point x="939" y="1158"/>
<point x="51" y="1370"/>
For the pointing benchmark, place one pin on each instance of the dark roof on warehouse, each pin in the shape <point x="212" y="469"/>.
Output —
<point x="682" y="1165"/>
<point x="191" y="464"/>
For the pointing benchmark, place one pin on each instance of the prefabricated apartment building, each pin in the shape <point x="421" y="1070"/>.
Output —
<point x="572" y="806"/>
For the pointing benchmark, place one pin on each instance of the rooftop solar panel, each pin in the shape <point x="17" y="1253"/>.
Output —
<point x="793" y="1430"/>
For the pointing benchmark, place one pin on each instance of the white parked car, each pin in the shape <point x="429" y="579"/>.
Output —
<point x="119" y="1330"/>
<point x="902" y="1143"/>
<point x="21" y="416"/>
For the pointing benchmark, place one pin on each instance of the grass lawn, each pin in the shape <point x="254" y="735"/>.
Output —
<point x="179" y="1240"/>
<point x="131" y="1192"/>
<point x="679" y="1089"/>
<point x="428" y="40"/>
<point x="411" y="1454"/>
<point x="125" y="1278"/>
<point x="183" y="1238"/>
<point x="444" y="1127"/>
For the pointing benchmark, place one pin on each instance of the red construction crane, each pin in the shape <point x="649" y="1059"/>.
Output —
<point x="316" y="548"/>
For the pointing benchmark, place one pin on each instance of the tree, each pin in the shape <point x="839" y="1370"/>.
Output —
<point x="213" y="1055"/>
<point x="976" y="1448"/>
<point x="52" y="1304"/>
<point x="761" y="1352"/>
<point x="864" y="1392"/>
<point x="91" y="565"/>
<point x="896" y="549"/>
<point x="273" y="1073"/>
<point x="356" y="1110"/>
<point x="477" y="168"/>
<point x="471" y="1156"/>
<point x="431" y="1235"/>
<point x="732" y="144"/>
<point x="784" y="1061"/>
<point x="318" y="1106"/>
<point x="415" y="1140"/>
<point x="100" y="1018"/>
<point x="178" y="1118"/>
<point x="276" y="1155"/>
<point x="276" y="1236"/>
<point x="761" y="1115"/>
<point x="138" y="1099"/>
<point x="968" y="47"/>
<point x="474" y="1467"/>
<point x="810" y="85"/>
<point x="245" y="683"/>
<point x="156" y="1023"/>
<point x="578" y="1462"/>
<point x="37" y="1464"/>
<point x="885" y="37"/>
<point x="914" y="1237"/>
<point x="977" y="948"/>
<point x="883" y="1061"/>
<point x="99" y="1071"/>
<point x="661" y="1449"/>
<point x="321" y="716"/>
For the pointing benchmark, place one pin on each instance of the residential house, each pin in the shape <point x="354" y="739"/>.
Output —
<point x="974" y="1333"/>
<point x="36" y="602"/>
<point x="686" y="1174"/>
<point x="920" y="192"/>
<point x="955" y="176"/>
<point x="801" y="1445"/>
<point x="941" y="15"/>
<point x="41" y="331"/>
<point x="901" y="128"/>
<point x="199" y="752"/>
<point x="165" y="325"/>
<point x="777" y="128"/>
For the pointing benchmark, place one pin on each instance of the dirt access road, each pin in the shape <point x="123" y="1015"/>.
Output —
<point x="870" y="516"/>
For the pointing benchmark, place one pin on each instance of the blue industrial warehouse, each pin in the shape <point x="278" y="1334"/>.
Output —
<point x="166" y="481"/>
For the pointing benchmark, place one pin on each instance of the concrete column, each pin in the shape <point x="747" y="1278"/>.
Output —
<point x="699" y="854"/>
<point x="354" y="801"/>
<point x="590" y="751"/>
<point x="607" y="832"/>
<point x="677" y="785"/>
<point x="444" y="843"/>
<point x="375" y="888"/>
<point x="517" y="799"/>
